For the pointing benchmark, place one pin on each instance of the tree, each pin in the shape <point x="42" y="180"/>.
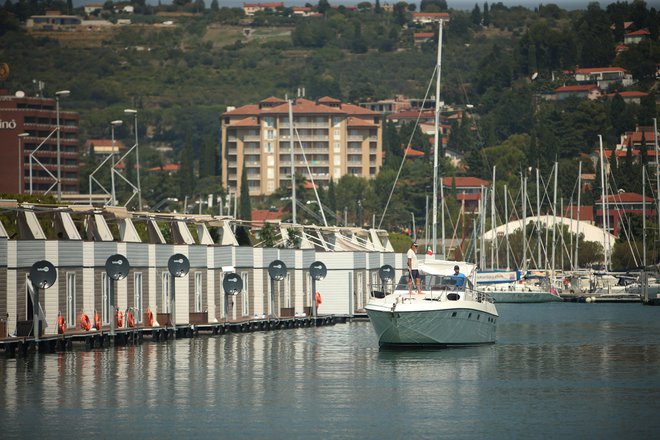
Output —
<point x="186" y="172"/>
<point x="268" y="235"/>
<point x="245" y="208"/>
<point x="433" y="6"/>
<point x="475" y="17"/>
<point x="323" y="6"/>
<point x="647" y="110"/>
<point x="486" y="15"/>
<point x="214" y="6"/>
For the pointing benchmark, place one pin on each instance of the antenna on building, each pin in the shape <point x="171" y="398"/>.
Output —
<point x="40" y="87"/>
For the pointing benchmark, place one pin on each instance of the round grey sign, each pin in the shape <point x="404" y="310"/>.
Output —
<point x="232" y="283"/>
<point x="318" y="271"/>
<point x="43" y="274"/>
<point x="386" y="273"/>
<point x="277" y="270"/>
<point x="178" y="265"/>
<point x="117" y="267"/>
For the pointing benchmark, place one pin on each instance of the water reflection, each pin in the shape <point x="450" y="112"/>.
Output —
<point x="592" y="367"/>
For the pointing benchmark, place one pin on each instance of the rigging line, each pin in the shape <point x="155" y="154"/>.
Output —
<point x="626" y="220"/>
<point x="316" y="193"/>
<point x="405" y="152"/>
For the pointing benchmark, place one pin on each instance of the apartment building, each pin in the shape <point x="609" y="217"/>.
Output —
<point x="28" y="145"/>
<point x="332" y="138"/>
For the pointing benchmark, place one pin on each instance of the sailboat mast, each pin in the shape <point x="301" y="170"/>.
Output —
<point x="538" y="221"/>
<point x="644" y="215"/>
<point x="603" y="192"/>
<point x="506" y="225"/>
<point x="554" y="220"/>
<point x="436" y="145"/>
<point x="293" y="166"/>
<point x="577" y="225"/>
<point x="524" y="225"/>
<point x="493" y="246"/>
<point x="657" y="170"/>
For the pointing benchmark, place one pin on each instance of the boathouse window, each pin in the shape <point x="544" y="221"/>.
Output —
<point x="198" y="291"/>
<point x="137" y="295"/>
<point x="359" y="291"/>
<point x="105" y="298"/>
<point x="288" y="288"/>
<point x="246" y="294"/>
<point x="70" y="298"/>
<point x="165" y="291"/>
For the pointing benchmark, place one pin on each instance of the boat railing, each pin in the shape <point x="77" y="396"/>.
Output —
<point x="381" y="290"/>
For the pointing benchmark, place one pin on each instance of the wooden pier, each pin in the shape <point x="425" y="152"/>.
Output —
<point x="93" y="339"/>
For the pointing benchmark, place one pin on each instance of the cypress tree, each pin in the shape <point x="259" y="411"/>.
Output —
<point x="245" y="208"/>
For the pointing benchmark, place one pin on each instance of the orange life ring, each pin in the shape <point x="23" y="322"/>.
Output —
<point x="129" y="319"/>
<point x="120" y="318"/>
<point x="61" y="325"/>
<point x="97" y="320"/>
<point x="85" y="324"/>
<point x="318" y="299"/>
<point x="150" y="318"/>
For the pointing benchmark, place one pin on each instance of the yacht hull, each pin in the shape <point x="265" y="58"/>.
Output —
<point x="432" y="324"/>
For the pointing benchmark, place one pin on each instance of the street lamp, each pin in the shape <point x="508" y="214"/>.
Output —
<point x="20" y="161"/>
<point x="113" y="124"/>
<point x="134" y="112"/>
<point x="63" y="94"/>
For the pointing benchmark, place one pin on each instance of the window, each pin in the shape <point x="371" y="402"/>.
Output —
<point x="336" y="120"/>
<point x="270" y="134"/>
<point x="360" y="291"/>
<point x="165" y="292"/>
<point x="246" y="294"/>
<point x="105" y="298"/>
<point x="268" y="147"/>
<point x="269" y="121"/>
<point x="137" y="296"/>
<point x="198" y="291"/>
<point x="337" y="147"/>
<point x="337" y="134"/>
<point x="71" y="299"/>
<point x="288" y="288"/>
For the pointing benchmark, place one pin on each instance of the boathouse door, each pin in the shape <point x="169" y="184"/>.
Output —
<point x="137" y="295"/>
<point x="70" y="298"/>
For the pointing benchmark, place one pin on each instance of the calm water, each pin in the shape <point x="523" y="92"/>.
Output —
<point x="557" y="371"/>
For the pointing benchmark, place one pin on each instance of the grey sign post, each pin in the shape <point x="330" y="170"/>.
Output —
<point x="386" y="274"/>
<point x="178" y="265"/>
<point x="42" y="276"/>
<point x="117" y="268"/>
<point x="232" y="285"/>
<point x="317" y="271"/>
<point x="277" y="271"/>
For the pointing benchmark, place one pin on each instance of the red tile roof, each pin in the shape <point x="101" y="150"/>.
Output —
<point x="423" y="34"/>
<point x="261" y="215"/>
<point x="329" y="100"/>
<point x="599" y="69"/>
<point x="300" y="106"/>
<point x="272" y="99"/>
<point x="410" y="152"/>
<point x="430" y="14"/>
<point x="629" y="94"/>
<point x="464" y="182"/>
<point x="638" y="32"/>
<point x="586" y="213"/>
<point x="250" y="121"/>
<point x="166" y="167"/>
<point x="576" y="88"/>
<point x="625" y="198"/>
<point x="352" y="121"/>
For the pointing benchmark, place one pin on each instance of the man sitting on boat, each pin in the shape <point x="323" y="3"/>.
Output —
<point x="458" y="276"/>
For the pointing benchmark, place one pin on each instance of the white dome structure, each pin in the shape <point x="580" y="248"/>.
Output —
<point x="590" y="232"/>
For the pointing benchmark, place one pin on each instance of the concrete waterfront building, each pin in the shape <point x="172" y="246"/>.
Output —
<point x="28" y="127"/>
<point x="336" y="138"/>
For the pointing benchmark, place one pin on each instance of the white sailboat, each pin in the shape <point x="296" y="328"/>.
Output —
<point x="449" y="312"/>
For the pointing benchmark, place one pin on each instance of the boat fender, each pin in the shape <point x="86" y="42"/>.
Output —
<point x="85" y="324"/>
<point x="150" y="317"/>
<point x="130" y="319"/>
<point x="61" y="324"/>
<point x="97" y="320"/>
<point x="120" y="318"/>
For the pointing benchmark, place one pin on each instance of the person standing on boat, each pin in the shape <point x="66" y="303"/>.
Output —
<point x="458" y="276"/>
<point x="413" y="269"/>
